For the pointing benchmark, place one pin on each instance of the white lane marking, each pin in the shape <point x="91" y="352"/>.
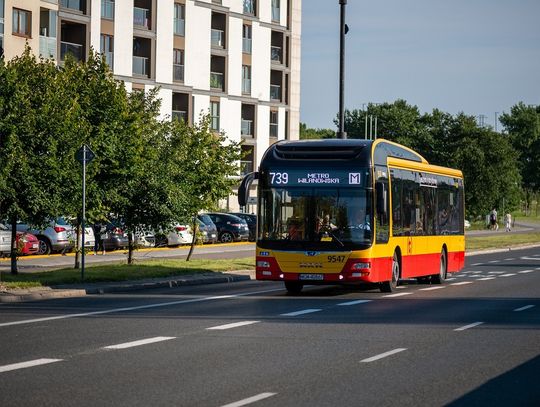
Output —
<point x="525" y="271"/>
<point x="30" y="363"/>
<point x="495" y="272"/>
<point x="462" y="276"/>
<point x="450" y="279"/>
<point x="304" y="311"/>
<point x="538" y="268"/>
<point x="487" y="278"/>
<point x="507" y="275"/>
<point x="462" y="283"/>
<point x="510" y="259"/>
<point x="468" y="326"/>
<point x="140" y="343"/>
<point x="494" y="261"/>
<point x="432" y="288"/>
<point x="250" y="400"/>
<point x="383" y="355"/>
<point x="396" y="295"/>
<point x="524" y="308"/>
<point x="528" y="258"/>
<point x="476" y="272"/>
<point x="354" y="302"/>
<point x="476" y="264"/>
<point x="113" y="310"/>
<point x="233" y="325"/>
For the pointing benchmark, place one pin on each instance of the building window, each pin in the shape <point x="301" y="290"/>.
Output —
<point x="246" y="39"/>
<point x="107" y="48"/>
<point x="274" y="124"/>
<point x="179" y="19"/>
<point x="22" y="22"/>
<point x="275" y="10"/>
<point x="79" y="5"/>
<point x="47" y="33"/>
<point x="214" y="116"/>
<point x="250" y="7"/>
<point x="107" y="9"/>
<point x="246" y="79"/>
<point x="178" y="64"/>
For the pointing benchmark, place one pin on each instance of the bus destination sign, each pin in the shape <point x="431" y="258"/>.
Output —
<point x="320" y="178"/>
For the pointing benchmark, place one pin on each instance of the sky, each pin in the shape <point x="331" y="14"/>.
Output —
<point x="479" y="57"/>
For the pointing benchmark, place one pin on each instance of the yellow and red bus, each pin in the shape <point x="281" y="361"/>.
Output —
<point x="355" y="211"/>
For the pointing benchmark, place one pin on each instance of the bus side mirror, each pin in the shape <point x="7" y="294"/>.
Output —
<point x="243" y="190"/>
<point x="382" y="196"/>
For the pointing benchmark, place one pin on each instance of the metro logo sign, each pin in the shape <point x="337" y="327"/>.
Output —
<point x="355" y="178"/>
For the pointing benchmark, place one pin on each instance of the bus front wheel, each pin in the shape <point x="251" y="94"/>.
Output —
<point x="294" y="287"/>
<point x="389" y="286"/>
<point x="439" y="278"/>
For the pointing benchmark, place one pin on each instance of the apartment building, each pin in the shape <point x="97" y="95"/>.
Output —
<point x="238" y="60"/>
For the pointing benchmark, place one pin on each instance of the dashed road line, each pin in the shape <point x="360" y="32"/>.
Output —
<point x="30" y="363"/>
<point x="302" y="312"/>
<point x="495" y="272"/>
<point x="140" y="342"/>
<point x="396" y="295"/>
<point x="524" y="308"/>
<point x="476" y="264"/>
<point x="233" y="325"/>
<point x="432" y="288"/>
<point x="494" y="261"/>
<point x="509" y="259"/>
<point x="462" y="283"/>
<point x="354" y="302"/>
<point x="507" y="275"/>
<point x="383" y="355"/>
<point x="463" y="328"/>
<point x="487" y="278"/>
<point x="250" y="400"/>
<point x="525" y="271"/>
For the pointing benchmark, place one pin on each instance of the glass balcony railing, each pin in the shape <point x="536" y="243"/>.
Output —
<point x="75" y="50"/>
<point x="246" y="167"/>
<point x="247" y="128"/>
<point x="141" y="17"/>
<point x="141" y="66"/>
<point x="246" y="85"/>
<point x="275" y="92"/>
<point x="246" y="45"/>
<point x="180" y="115"/>
<point x="178" y="72"/>
<point x="275" y="54"/>
<point x="275" y="14"/>
<point x="218" y="38"/>
<point x="179" y="26"/>
<point x="249" y="7"/>
<point x="107" y="9"/>
<point x="72" y="4"/>
<point x="47" y="47"/>
<point x="216" y="80"/>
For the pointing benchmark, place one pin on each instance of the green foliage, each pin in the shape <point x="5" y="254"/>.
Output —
<point x="306" y="133"/>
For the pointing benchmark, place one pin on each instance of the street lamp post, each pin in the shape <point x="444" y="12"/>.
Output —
<point x="343" y="30"/>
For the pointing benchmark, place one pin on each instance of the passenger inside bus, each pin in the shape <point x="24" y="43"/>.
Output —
<point x="294" y="229"/>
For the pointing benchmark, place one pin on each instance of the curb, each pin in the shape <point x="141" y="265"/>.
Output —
<point x="45" y="293"/>
<point x="501" y="250"/>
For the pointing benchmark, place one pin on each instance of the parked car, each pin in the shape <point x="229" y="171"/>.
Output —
<point x="209" y="227"/>
<point x="180" y="234"/>
<point x="27" y="243"/>
<point x="89" y="238"/>
<point x="5" y="241"/>
<point x="53" y="238"/>
<point x="230" y="227"/>
<point x="114" y="237"/>
<point x="251" y="220"/>
<point x="145" y="238"/>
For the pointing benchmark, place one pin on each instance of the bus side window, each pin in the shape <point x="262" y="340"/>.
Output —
<point x="382" y="201"/>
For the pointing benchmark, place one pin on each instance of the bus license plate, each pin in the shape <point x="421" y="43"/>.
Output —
<point x="319" y="277"/>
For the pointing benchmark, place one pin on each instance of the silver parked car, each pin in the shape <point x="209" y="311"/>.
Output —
<point x="5" y="241"/>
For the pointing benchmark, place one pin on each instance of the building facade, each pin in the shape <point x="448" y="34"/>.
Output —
<point x="238" y="60"/>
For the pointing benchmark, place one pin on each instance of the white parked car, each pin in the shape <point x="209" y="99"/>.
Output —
<point x="181" y="234"/>
<point x="145" y="238"/>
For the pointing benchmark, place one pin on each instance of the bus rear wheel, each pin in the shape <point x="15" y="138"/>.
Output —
<point x="294" y="287"/>
<point x="439" y="278"/>
<point x="389" y="286"/>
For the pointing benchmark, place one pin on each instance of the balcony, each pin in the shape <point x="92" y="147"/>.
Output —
<point x="275" y="54"/>
<point x="75" y="50"/>
<point x="246" y="45"/>
<point x="141" y="66"/>
<point x="141" y="17"/>
<point x="178" y="72"/>
<point x="275" y="92"/>
<point x="249" y="7"/>
<point x="78" y="5"/>
<point x="179" y="26"/>
<point x="217" y="80"/>
<point x="247" y="128"/>
<point x="107" y="9"/>
<point x="180" y="115"/>
<point x="218" y="38"/>
<point x="246" y="167"/>
<point x="246" y="86"/>
<point x="47" y="47"/>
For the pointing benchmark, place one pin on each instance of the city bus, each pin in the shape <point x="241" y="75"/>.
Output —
<point x="355" y="211"/>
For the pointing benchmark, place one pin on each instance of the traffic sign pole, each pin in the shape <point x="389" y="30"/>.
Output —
<point x="84" y="155"/>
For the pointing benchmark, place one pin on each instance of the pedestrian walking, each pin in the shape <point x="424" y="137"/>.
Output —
<point x="100" y="233"/>
<point x="508" y="222"/>
<point x="493" y="220"/>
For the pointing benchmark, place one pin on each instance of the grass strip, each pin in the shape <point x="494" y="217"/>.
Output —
<point x="500" y="240"/>
<point x="123" y="272"/>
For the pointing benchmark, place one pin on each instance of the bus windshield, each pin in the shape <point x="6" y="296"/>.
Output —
<point x="305" y="218"/>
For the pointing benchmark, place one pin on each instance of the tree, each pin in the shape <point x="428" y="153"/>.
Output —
<point x="205" y="165"/>
<point x="306" y="133"/>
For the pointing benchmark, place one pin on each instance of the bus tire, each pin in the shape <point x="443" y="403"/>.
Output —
<point x="439" y="278"/>
<point x="390" y="286"/>
<point x="294" y="287"/>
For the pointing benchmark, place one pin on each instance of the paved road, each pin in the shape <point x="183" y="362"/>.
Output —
<point x="473" y="341"/>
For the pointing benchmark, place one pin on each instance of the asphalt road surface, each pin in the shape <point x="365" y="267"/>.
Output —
<point x="474" y="341"/>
